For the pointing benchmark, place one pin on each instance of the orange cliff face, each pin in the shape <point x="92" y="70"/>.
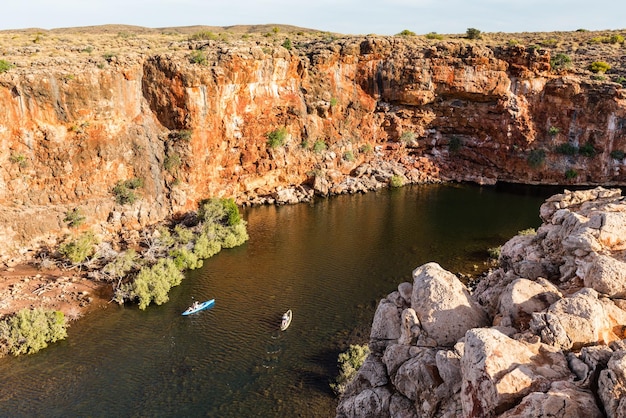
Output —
<point x="449" y="110"/>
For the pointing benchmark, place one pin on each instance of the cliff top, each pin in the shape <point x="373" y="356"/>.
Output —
<point x="99" y="45"/>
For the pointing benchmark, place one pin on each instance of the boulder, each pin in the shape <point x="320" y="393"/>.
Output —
<point x="606" y="275"/>
<point x="579" y="320"/>
<point x="523" y="297"/>
<point x="387" y="322"/>
<point x="499" y="371"/>
<point x="612" y="386"/>
<point x="370" y="403"/>
<point x="563" y="400"/>
<point x="410" y="327"/>
<point x="443" y="305"/>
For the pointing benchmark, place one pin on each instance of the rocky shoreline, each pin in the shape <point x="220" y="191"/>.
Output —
<point x="543" y="335"/>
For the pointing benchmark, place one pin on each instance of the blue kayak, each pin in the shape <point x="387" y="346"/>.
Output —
<point x="197" y="307"/>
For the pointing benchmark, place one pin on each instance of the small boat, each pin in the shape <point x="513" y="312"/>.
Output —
<point x="286" y="320"/>
<point x="197" y="307"/>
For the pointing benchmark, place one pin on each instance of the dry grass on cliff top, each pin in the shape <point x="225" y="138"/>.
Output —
<point x="98" y="44"/>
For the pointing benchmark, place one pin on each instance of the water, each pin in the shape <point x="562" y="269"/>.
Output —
<point x="330" y="262"/>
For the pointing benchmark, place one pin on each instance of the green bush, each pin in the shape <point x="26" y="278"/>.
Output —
<point x="494" y="252"/>
<point x="349" y="363"/>
<point x="185" y="259"/>
<point x="287" y="44"/>
<point x="182" y="135"/>
<point x="205" y="247"/>
<point x="319" y="146"/>
<point x="618" y="154"/>
<point x="203" y="36"/>
<point x="184" y="235"/>
<point x="536" y="158"/>
<point x="599" y="67"/>
<point x="571" y="174"/>
<point x="19" y="159"/>
<point x="472" y="33"/>
<point x="528" y="231"/>
<point x="215" y="210"/>
<point x="348" y="156"/>
<point x="587" y="150"/>
<point x="434" y="35"/>
<point x="198" y="57"/>
<point x="396" y="181"/>
<point x="553" y="131"/>
<point x="74" y="218"/>
<point x="454" y="145"/>
<point x="276" y="138"/>
<point x="5" y="66"/>
<point x="77" y="250"/>
<point x="28" y="331"/>
<point x="152" y="284"/>
<point x="172" y="162"/>
<point x="122" y="265"/>
<point x="124" y="191"/>
<point x="407" y="137"/>
<point x="367" y="148"/>
<point x="567" y="149"/>
<point x="560" y="60"/>
<point x="406" y="32"/>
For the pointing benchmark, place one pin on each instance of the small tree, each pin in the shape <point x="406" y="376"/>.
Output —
<point x="5" y="66"/>
<point x="77" y="250"/>
<point x="349" y="363"/>
<point x="29" y="331"/>
<point x="560" y="61"/>
<point x="406" y="32"/>
<point x="472" y="33"/>
<point x="276" y="138"/>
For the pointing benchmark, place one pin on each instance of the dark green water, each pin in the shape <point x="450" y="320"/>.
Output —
<point x="329" y="262"/>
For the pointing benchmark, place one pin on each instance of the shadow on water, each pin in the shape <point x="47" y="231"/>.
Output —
<point x="330" y="263"/>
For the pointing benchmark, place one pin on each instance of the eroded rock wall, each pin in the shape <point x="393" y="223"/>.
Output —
<point x="356" y="112"/>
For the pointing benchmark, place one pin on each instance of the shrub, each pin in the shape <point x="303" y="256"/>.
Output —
<point x="551" y="42"/>
<point x="198" y="57"/>
<point x="528" y="231"/>
<point x="455" y="144"/>
<point x="28" y="331"/>
<point x="349" y="363"/>
<point x="184" y="235"/>
<point x="587" y="150"/>
<point x="560" y="60"/>
<point x="122" y="265"/>
<point x="406" y="32"/>
<point x="348" y="156"/>
<point x="152" y="284"/>
<point x="616" y="39"/>
<point x="172" y="162"/>
<point x="621" y="80"/>
<point x="571" y="173"/>
<point x="287" y="44"/>
<point x="124" y="191"/>
<point x="434" y="35"/>
<point x="536" y="158"/>
<point x="407" y="137"/>
<point x="494" y="252"/>
<point x="599" y="67"/>
<point x="276" y="138"/>
<point x="396" y="181"/>
<point x="215" y="210"/>
<point x="203" y="36"/>
<point x="185" y="259"/>
<point x="567" y="149"/>
<point x="205" y="247"/>
<point x="77" y="250"/>
<point x="333" y="102"/>
<point x="367" y="148"/>
<point x="19" y="159"/>
<point x="617" y="154"/>
<point x="472" y="33"/>
<point x="553" y="131"/>
<point x="74" y="218"/>
<point x="182" y="135"/>
<point x="319" y="146"/>
<point x="5" y="66"/>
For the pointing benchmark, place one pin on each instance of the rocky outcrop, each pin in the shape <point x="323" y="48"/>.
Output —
<point x="354" y="114"/>
<point x="543" y="335"/>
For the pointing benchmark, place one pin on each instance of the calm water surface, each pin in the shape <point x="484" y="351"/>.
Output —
<point x="330" y="262"/>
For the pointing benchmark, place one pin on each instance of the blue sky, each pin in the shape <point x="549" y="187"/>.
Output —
<point x="384" y="17"/>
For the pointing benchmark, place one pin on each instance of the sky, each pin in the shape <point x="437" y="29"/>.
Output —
<point x="383" y="17"/>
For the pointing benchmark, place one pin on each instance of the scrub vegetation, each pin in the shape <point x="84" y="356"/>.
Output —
<point x="349" y="363"/>
<point x="30" y="330"/>
<point x="170" y="251"/>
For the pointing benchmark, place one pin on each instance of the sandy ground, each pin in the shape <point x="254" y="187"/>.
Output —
<point x="67" y="291"/>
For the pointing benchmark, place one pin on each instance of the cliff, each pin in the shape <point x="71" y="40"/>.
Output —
<point x="541" y="336"/>
<point x="191" y="117"/>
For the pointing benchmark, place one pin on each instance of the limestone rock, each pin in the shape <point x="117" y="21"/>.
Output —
<point x="387" y="322"/>
<point x="563" y="400"/>
<point x="523" y="297"/>
<point x="443" y="304"/>
<point x="612" y="386"/>
<point x="499" y="371"/>
<point x="606" y="275"/>
<point x="370" y="403"/>
<point x="410" y="327"/>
